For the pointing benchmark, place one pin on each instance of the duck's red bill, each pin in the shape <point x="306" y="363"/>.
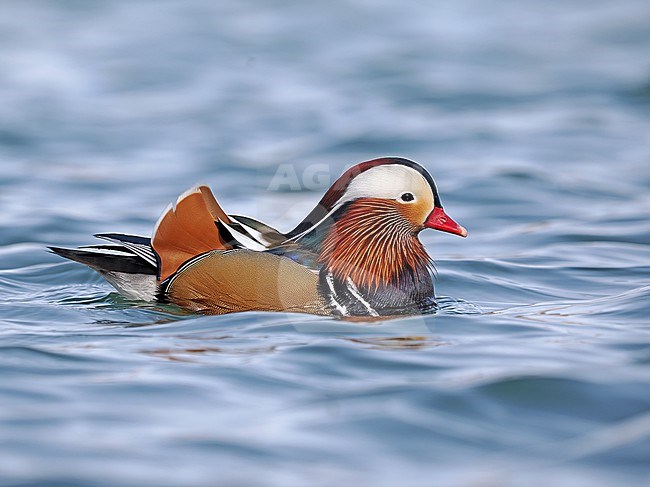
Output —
<point x="439" y="220"/>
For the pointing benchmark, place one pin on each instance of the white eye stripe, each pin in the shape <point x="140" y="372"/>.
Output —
<point x="389" y="182"/>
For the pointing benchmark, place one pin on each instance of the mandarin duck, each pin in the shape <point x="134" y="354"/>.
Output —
<point x="357" y="254"/>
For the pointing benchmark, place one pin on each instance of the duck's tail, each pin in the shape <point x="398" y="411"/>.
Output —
<point x="129" y="263"/>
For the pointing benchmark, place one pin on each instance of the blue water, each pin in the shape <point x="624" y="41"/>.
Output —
<point x="534" y="118"/>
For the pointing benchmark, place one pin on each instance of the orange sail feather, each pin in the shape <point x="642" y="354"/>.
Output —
<point x="188" y="229"/>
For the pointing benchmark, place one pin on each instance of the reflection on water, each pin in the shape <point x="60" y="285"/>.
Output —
<point x="400" y="343"/>
<point x="531" y="116"/>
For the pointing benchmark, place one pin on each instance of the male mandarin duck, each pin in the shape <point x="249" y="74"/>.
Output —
<point x="356" y="254"/>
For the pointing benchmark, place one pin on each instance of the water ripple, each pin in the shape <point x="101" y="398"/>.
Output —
<point x="533" y="119"/>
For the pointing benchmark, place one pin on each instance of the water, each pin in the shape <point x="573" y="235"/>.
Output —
<point x="532" y="116"/>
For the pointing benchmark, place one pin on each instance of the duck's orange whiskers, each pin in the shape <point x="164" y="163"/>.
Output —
<point x="373" y="244"/>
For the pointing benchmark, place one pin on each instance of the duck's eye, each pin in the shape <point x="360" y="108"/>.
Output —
<point x="407" y="197"/>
